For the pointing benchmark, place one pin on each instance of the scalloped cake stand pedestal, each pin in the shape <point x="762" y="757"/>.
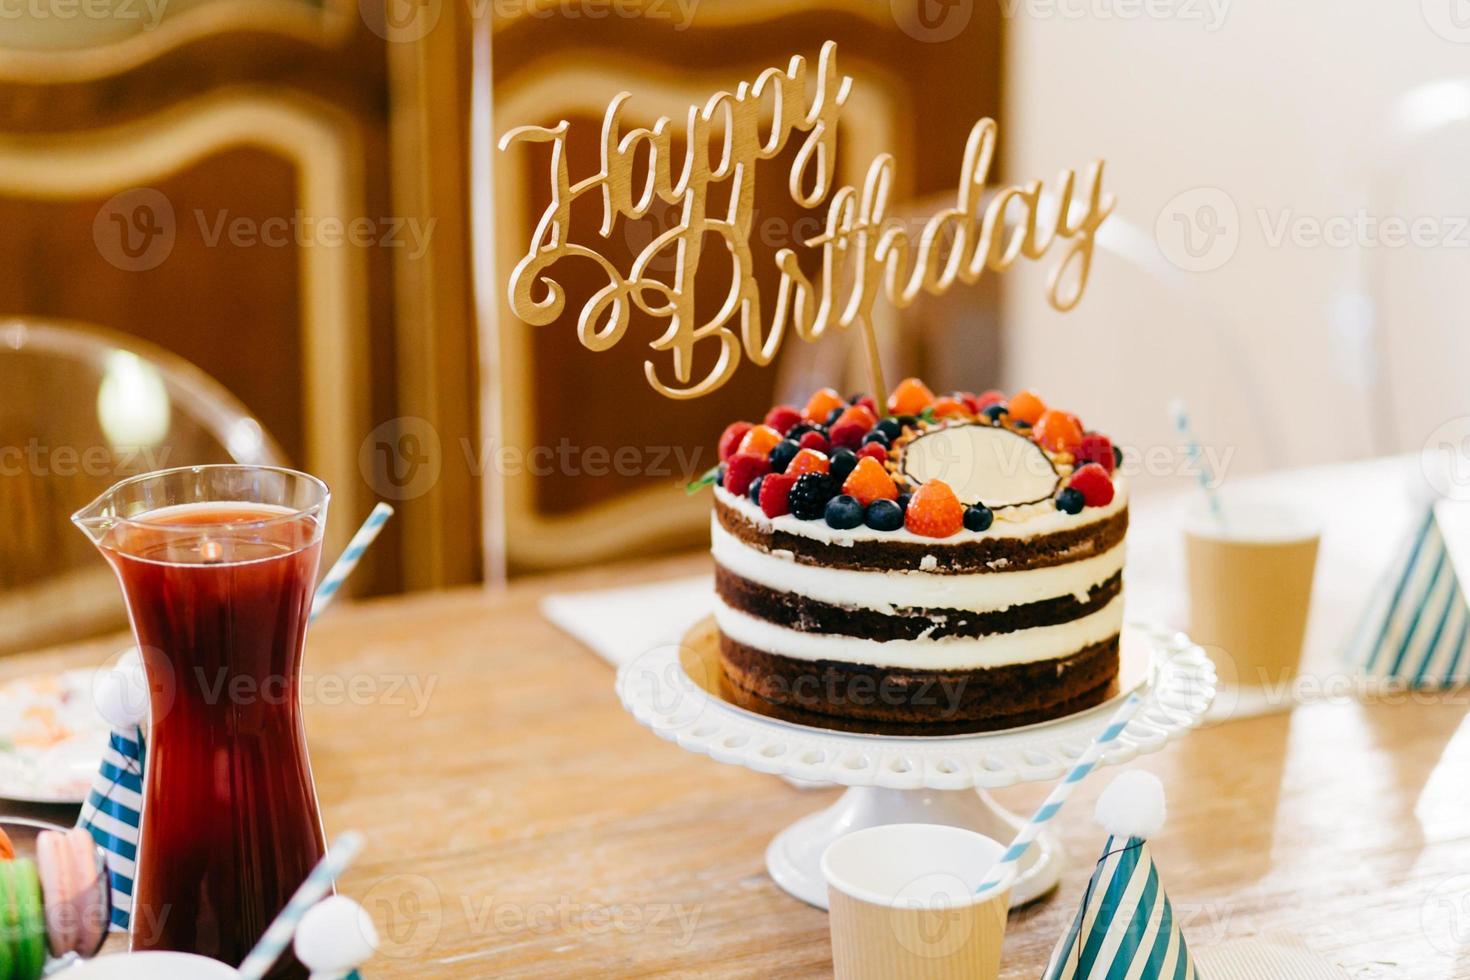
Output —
<point x="912" y="779"/>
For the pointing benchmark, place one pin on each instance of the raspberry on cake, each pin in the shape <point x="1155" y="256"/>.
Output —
<point x="965" y="575"/>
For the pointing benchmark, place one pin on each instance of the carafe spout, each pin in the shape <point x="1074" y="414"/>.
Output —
<point x="97" y="518"/>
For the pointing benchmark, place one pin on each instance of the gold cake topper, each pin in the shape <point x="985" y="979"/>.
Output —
<point x="864" y="250"/>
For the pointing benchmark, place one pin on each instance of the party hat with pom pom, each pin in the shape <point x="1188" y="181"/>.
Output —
<point x="1417" y="630"/>
<point x="335" y="937"/>
<point x="113" y="810"/>
<point x="1126" y="926"/>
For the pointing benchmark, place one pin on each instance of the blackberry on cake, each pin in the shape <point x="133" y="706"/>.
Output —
<point x="808" y="497"/>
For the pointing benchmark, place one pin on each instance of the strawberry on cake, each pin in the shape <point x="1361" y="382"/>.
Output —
<point x="941" y="564"/>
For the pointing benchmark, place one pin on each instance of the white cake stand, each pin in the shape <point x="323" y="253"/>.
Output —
<point x="916" y="779"/>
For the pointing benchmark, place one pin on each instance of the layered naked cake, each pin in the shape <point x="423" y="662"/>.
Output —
<point x="948" y="564"/>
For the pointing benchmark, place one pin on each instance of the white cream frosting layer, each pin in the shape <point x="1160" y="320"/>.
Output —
<point x="949" y="653"/>
<point x="886" y="592"/>
<point x="1019" y="523"/>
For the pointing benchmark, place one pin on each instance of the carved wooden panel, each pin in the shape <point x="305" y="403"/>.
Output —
<point x="192" y="182"/>
<point x="199" y="229"/>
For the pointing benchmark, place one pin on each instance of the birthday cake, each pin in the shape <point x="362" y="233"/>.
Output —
<point x="946" y="564"/>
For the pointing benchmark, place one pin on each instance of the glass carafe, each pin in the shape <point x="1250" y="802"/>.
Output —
<point x="217" y="565"/>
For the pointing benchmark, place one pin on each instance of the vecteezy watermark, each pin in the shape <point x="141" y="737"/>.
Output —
<point x="832" y="688"/>
<point x="135" y="230"/>
<point x="1199" y="230"/>
<point x="147" y="922"/>
<point x="228" y="686"/>
<point x="932" y="21"/>
<point x="1283" y="685"/>
<point x="146" y="13"/>
<point x="1445" y="915"/>
<point x="304" y="230"/>
<point x="1017" y="457"/>
<point x="1450" y="19"/>
<point x="677" y="13"/>
<point x="672" y="682"/>
<point x="401" y="21"/>
<point x="1445" y="459"/>
<point x="1364" y="229"/>
<point x="39" y="459"/>
<point x="567" y="916"/>
<point x="566" y="458"/>
<point x="406" y="21"/>
<point x="1210" y="14"/>
<point x="1204" y="923"/>
<point x="1178" y="460"/>
<point x="160" y="688"/>
<point x="403" y="458"/>
<point x="410" y="910"/>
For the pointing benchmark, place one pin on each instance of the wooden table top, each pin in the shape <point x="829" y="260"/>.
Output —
<point x="522" y="825"/>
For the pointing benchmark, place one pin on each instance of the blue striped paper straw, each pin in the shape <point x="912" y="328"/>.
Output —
<point x="1196" y="456"/>
<point x="1062" y="791"/>
<point x="350" y="557"/>
<point x="283" y="928"/>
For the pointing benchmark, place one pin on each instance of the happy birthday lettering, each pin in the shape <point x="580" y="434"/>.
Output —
<point x="865" y="252"/>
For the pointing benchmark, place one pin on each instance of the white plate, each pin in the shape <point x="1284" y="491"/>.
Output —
<point x="51" y="738"/>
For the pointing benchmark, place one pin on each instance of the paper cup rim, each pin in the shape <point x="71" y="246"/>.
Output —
<point x="1303" y="524"/>
<point x="841" y="884"/>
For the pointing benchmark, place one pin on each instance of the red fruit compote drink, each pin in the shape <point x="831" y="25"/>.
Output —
<point x="217" y="565"/>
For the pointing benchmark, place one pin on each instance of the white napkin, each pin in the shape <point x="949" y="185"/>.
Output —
<point x="1277" y="957"/>
<point x="620" y="624"/>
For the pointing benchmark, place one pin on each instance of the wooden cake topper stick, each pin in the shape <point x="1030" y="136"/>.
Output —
<point x="864" y="252"/>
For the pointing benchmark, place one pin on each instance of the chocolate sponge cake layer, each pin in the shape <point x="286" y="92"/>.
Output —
<point x="917" y="701"/>
<point x="982" y="554"/>
<point x="799" y="612"/>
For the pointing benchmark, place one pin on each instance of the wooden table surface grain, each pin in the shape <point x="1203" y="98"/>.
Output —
<point x="520" y="824"/>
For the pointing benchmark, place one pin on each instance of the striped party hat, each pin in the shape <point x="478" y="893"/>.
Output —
<point x="112" y="813"/>
<point x="1416" y="629"/>
<point x="1126" y="926"/>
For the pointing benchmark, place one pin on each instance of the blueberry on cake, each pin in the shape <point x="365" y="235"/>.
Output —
<point x="943" y="564"/>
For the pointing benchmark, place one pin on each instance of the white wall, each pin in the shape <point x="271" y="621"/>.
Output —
<point x="1281" y="108"/>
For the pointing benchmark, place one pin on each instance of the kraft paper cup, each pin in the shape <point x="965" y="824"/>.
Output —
<point x="151" y="966"/>
<point x="903" y="904"/>
<point x="1250" y="586"/>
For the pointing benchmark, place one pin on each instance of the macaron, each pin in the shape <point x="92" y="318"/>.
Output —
<point x="8" y="930"/>
<point x="76" y="891"/>
<point x="22" y="921"/>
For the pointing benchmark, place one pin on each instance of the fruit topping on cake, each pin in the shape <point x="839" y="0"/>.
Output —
<point x="989" y="459"/>
<point x="983" y="464"/>
<point x="775" y="488"/>
<point x="821" y="405"/>
<point x="808" y="461"/>
<point x="869" y="481"/>
<point x="807" y="499"/>
<point x="934" y="511"/>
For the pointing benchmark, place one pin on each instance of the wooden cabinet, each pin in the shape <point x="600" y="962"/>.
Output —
<point x="172" y="179"/>
<point x="214" y="183"/>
